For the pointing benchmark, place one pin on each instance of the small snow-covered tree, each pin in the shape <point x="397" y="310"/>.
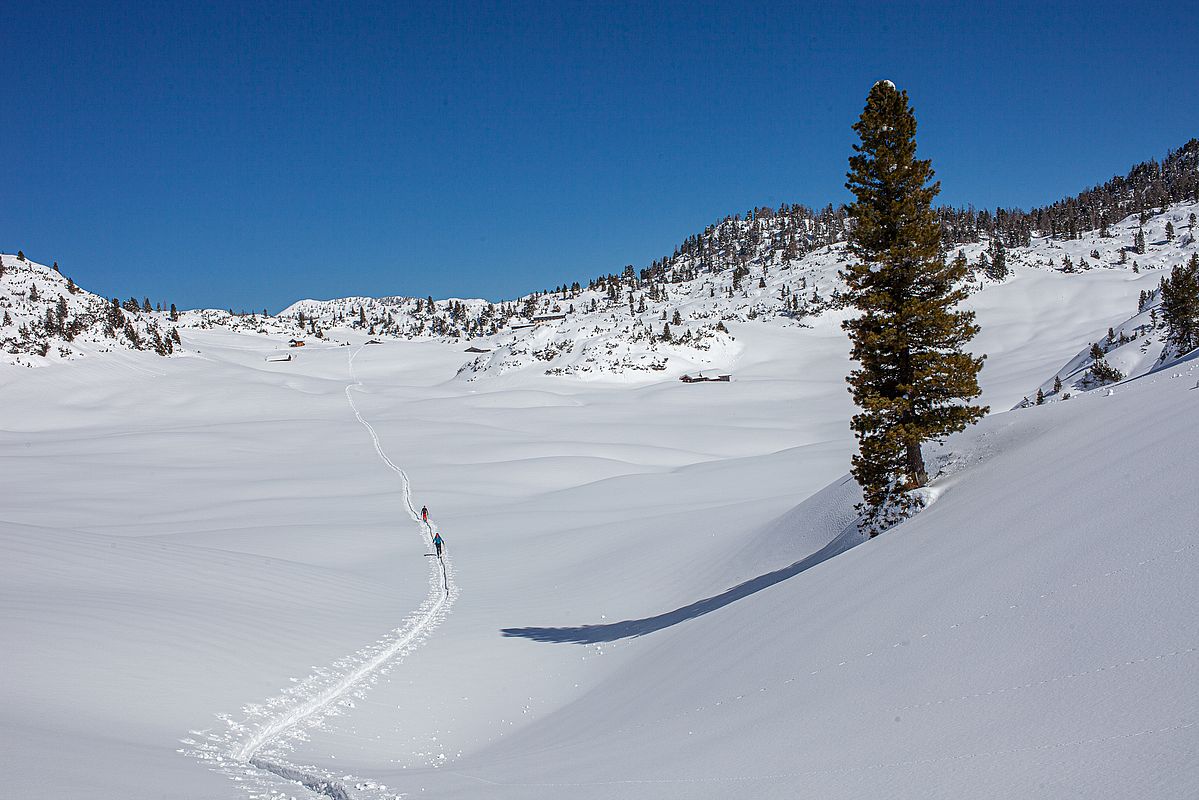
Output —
<point x="998" y="268"/>
<point x="1103" y="372"/>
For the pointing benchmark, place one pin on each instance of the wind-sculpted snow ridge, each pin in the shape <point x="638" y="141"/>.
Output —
<point x="258" y="743"/>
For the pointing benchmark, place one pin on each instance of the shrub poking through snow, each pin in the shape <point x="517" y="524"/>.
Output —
<point x="1102" y="373"/>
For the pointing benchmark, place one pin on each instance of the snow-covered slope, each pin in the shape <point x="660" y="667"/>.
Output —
<point x="673" y="318"/>
<point x="214" y="582"/>
<point x="1032" y="634"/>
<point x="403" y="317"/>
<point x="281" y="328"/>
<point x="628" y="336"/>
<point x="45" y="317"/>
<point x="1133" y="348"/>
<point x="645" y="576"/>
<point x="668" y="320"/>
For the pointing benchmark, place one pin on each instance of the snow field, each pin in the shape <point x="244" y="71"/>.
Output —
<point x="662" y="594"/>
<point x="913" y="665"/>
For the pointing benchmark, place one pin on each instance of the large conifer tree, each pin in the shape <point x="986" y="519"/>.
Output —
<point x="914" y="378"/>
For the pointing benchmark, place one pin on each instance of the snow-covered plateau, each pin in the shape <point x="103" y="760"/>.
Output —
<point x="216" y="583"/>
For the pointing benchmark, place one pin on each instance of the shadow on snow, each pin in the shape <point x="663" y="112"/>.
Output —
<point x="610" y="632"/>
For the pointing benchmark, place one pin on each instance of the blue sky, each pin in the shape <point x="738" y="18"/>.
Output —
<point x="227" y="155"/>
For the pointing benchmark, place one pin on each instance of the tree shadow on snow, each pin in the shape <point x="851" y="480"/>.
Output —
<point x="610" y="632"/>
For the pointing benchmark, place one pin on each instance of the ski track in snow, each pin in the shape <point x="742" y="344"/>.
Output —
<point x="274" y="725"/>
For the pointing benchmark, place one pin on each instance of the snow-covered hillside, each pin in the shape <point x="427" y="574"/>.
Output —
<point x="655" y="592"/>
<point x="402" y="317"/>
<point x="673" y="318"/>
<point x="1030" y="635"/>
<point x="1130" y="349"/>
<point x="673" y="327"/>
<point x="667" y="320"/>
<point x="45" y="317"/>
<point x="282" y="328"/>
<point x="216" y="581"/>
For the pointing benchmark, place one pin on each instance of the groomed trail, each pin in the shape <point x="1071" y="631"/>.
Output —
<point x="240" y="755"/>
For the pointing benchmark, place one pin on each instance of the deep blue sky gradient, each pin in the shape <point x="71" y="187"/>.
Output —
<point x="219" y="154"/>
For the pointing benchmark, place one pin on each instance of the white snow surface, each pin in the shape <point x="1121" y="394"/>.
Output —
<point x="213" y="564"/>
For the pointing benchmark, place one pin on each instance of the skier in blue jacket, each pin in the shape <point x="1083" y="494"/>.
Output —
<point x="438" y="543"/>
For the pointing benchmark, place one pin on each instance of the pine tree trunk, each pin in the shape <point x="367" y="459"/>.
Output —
<point x="916" y="471"/>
